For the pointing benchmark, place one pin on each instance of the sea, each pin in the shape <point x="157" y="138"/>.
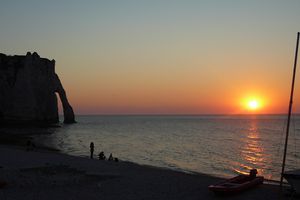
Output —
<point x="218" y="145"/>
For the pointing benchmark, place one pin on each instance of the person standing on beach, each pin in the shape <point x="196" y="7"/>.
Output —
<point x="92" y="150"/>
<point x="110" y="158"/>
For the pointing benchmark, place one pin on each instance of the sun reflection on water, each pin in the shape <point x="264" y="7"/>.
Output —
<point x="252" y="151"/>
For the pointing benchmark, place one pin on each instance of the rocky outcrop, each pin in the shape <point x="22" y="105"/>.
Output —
<point x="28" y="87"/>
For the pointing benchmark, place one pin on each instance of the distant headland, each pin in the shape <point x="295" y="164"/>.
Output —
<point x="28" y="87"/>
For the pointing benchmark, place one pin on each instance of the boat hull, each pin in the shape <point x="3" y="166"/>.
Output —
<point x="293" y="178"/>
<point x="236" y="184"/>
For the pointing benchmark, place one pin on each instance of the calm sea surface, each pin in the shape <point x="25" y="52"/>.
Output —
<point x="216" y="145"/>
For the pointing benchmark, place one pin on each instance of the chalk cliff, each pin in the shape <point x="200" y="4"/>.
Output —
<point x="28" y="87"/>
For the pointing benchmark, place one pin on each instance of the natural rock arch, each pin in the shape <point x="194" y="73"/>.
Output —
<point x="27" y="90"/>
<point x="67" y="108"/>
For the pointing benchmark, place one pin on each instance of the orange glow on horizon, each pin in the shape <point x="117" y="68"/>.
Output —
<point x="175" y="103"/>
<point x="254" y="104"/>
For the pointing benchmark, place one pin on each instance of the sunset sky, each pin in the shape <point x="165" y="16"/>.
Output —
<point x="160" y="56"/>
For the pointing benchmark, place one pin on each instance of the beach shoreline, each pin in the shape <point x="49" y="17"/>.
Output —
<point x="48" y="174"/>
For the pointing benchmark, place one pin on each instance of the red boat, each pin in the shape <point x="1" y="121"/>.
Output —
<point x="238" y="183"/>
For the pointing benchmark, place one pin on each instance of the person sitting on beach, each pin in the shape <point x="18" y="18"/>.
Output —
<point x="92" y="150"/>
<point x="101" y="156"/>
<point x="30" y="146"/>
<point x="110" y="158"/>
<point x="253" y="173"/>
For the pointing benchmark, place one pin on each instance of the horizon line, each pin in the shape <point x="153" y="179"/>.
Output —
<point x="186" y="114"/>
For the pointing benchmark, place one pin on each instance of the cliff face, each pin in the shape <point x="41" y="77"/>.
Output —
<point x="27" y="90"/>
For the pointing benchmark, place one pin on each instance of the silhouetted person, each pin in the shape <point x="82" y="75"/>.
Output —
<point x="253" y="173"/>
<point x="30" y="145"/>
<point x="110" y="158"/>
<point x="101" y="156"/>
<point x="92" y="150"/>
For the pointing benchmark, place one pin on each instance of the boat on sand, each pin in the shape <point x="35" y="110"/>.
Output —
<point x="238" y="183"/>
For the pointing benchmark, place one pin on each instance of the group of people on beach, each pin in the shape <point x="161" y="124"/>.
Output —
<point x="101" y="155"/>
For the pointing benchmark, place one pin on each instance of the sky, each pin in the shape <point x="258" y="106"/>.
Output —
<point x="162" y="56"/>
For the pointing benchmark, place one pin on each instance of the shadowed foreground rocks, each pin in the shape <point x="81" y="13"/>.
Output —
<point x="28" y="87"/>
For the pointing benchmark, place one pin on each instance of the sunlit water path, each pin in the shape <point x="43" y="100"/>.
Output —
<point x="217" y="145"/>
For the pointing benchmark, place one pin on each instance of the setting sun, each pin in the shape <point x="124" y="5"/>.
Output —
<point x="253" y="104"/>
